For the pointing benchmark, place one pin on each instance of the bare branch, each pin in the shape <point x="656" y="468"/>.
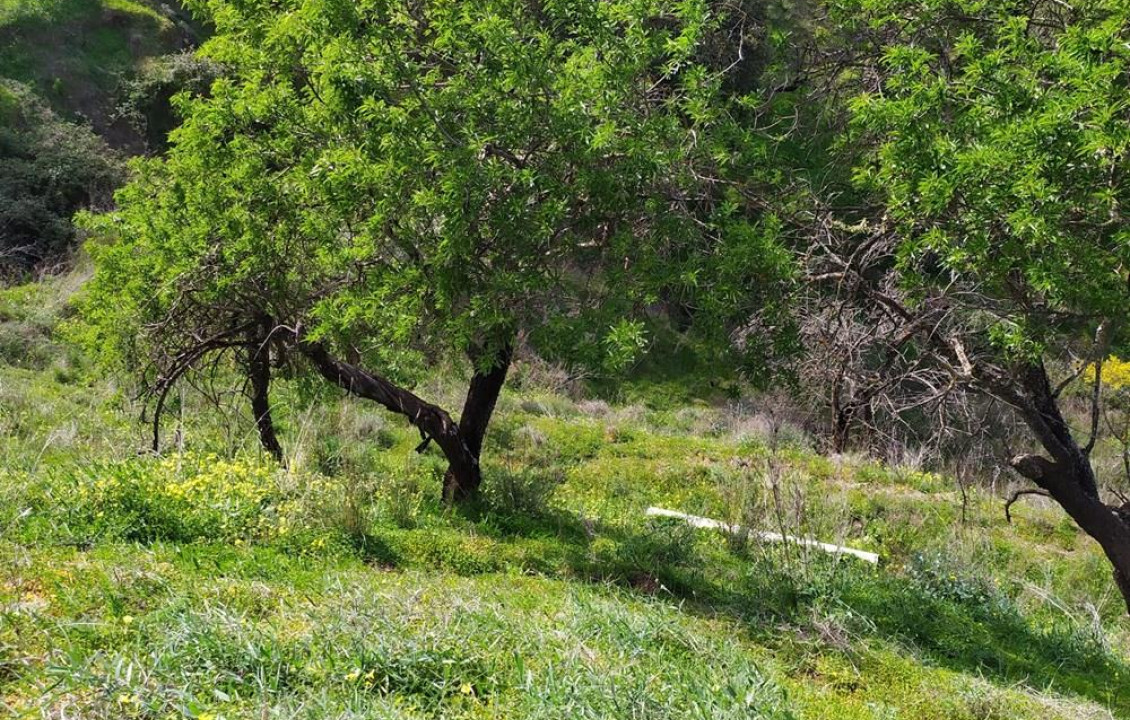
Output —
<point x="1016" y="496"/>
<point x="1096" y="400"/>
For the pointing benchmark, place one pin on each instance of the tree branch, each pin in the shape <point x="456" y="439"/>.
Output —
<point x="1019" y="494"/>
<point x="1096" y="400"/>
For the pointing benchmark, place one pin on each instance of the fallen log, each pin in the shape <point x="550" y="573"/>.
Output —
<point x="764" y="536"/>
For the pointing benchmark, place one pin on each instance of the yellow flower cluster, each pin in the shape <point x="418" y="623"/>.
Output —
<point x="208" y="494"/>
<point x="207" y="497"/>
<point x="200" y="479"/>
<point x="1116" y="373"/>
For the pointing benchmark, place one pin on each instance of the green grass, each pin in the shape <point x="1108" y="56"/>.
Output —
<point x="212" y="583"/>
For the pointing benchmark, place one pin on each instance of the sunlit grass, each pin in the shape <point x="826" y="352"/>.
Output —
<point x="215" y="583"/>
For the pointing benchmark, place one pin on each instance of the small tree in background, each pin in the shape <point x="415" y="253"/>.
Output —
<point x="377" y="186"/>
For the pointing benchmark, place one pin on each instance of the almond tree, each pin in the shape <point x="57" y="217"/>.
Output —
<point x="375" y="186"/>
<point x="986" y="242"/>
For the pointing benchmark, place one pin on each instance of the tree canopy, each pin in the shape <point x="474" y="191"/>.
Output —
<point x="1002" y="143"/>
<point x="393" y="183"/>
<point x="991" y="146"/>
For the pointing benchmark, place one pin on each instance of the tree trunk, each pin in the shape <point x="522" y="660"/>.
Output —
<point x="1108" y="526"/>
<point x="841" y="428"/>
<point x="482" y="395"/>
<point x="461" y="443"/>
<point x="259" y="372"/>
<point x="1068" y="476"/>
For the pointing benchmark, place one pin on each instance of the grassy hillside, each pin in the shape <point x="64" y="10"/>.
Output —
<point x="210" y="583"/>
<point x="82" y="84"/>
<point x="76" y="53"/>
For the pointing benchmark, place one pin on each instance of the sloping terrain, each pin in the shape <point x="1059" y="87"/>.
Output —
<point x="211" y="583"/>
<point x="83" y="84"/>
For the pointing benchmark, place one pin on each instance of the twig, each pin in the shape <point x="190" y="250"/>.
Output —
<point x="1016" y="496"/>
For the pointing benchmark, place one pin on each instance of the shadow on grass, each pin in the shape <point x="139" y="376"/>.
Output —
<point x="988" y="635"/>
<point x="962" y="625"/>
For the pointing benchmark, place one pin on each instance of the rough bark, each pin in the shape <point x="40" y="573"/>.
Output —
<point x="1067" y="475"/>
<point x="433" y="422"/>
<point x="478" y="407"/>
<point x="462" y="442"/>
<point x="259" y="373"/>
<point x="1105" y="524"/>
<point x="846" y="416"/>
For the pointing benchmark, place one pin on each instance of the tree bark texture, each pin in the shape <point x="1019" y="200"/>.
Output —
<point x="461" y="443"/>
<point x="1068" y="477"/>
<point x="259" y="373"/>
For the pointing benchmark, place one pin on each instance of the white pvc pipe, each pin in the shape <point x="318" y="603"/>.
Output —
<point x="701" y="522"/>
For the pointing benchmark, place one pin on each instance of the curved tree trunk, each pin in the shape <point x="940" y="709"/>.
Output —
<point x="1109" y="526"/>
<point x="1067" y="476"/>
<point x="463" y="476"/>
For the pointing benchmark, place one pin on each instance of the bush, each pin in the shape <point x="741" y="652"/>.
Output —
<point x="524" y="491"/>
<point x="49" y="169"/>
<point x="147" y="98"/>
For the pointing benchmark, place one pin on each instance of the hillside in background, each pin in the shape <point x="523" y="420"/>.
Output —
<point x="83" y="85"/>
<point x="80" y="55"/>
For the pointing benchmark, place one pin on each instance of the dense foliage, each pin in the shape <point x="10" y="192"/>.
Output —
<point x="394" y="183"/>
<point x="1002" y="152"/>
<point x="382" y="185"/>
<point x="49" y="168"/>
<point x="394" y="177"/>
